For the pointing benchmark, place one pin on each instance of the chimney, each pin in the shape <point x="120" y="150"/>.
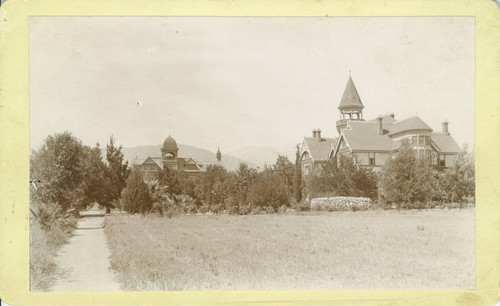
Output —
<point x="318" y="134"/>
<point x="314" y="133"/>
<point x="392" y="115"/>
<point x="380" y="119"/>
<point x="445" y="128"/>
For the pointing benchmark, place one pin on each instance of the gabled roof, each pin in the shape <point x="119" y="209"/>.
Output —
<point x="445" y="143"/>
<point x="158" y="161"/>
<point x="350" y="98"/>
<point x="387" y="120"/>
<point x="410" y="124"/>
<point x="319" y="150"/>
<point x="364" y="136"/>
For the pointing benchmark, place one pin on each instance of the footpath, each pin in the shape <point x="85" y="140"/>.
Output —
<point x="85" y="259"/>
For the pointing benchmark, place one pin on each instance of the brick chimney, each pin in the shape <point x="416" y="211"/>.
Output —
<point x="318" y="134"/>
<point x="392" y="115"/>
<point x="445" y="128"/>
<point x="380" y="120"/>
<point x="314" y="133"/>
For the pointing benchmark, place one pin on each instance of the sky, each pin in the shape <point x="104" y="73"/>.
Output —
<point x="238" y="82"/>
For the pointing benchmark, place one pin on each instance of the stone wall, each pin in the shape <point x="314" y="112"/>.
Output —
<point x="340" y="203"/>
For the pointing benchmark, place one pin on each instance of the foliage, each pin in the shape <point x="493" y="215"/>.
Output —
<point x="268" y="190"/>
<point x="407" y="179"/>
<point x="459" y="179"/>
<point x="286" y="170"/>
<point x="342" y="178"/>
<point x="58" y="165"/>
<point x="97" y="184"/>
<point x="213" y="187"/>
<point x="297" y="179"/>
<point x="136" y="196"/>
<point x="118" y="170"/>
<point x="169" y="179"/>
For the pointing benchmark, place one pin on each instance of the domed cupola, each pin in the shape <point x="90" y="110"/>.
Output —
<point x="169" y="149"/>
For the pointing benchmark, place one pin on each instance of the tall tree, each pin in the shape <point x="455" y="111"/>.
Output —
<point x="297" y="179"/>
<point x="406" y="178"/>
<point x="285" y="169"/>
<point x="118" y="170"/>
<point x="97" y="185"/>
<point x="58" y="165"/>
<point x="459" y="179"/>
<point x="136" y="196"/>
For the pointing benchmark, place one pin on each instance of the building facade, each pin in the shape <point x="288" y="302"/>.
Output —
<point x="371" y="142"/>
<point x="150" y="166"/>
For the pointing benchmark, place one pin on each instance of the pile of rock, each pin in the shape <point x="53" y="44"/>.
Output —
<point x="340" y="203"/>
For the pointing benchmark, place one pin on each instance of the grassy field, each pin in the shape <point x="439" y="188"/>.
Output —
<point x="317" y="251"/>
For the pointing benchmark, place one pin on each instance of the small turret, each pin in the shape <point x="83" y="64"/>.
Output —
<point x="218" y="155"/>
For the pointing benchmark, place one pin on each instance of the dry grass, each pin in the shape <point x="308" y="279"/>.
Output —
<point x="44" y="245"/>
<point x="317" y="251"/>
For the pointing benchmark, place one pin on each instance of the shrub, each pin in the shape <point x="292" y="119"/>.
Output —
<point x="268" y="189"/>
<point x="136" y="197"/>
<point x="301" y="206"/>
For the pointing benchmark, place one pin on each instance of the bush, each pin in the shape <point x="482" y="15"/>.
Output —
<point x="268" y="189"/>
<point x="303" y="205"/>
<point x="136" y="197"/>
<point x="342" y="178"/>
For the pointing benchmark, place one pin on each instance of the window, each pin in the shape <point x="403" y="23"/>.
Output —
<point x="414" y="139"/>
<point x="371" y="159"/>
<point x="441" y="160"/>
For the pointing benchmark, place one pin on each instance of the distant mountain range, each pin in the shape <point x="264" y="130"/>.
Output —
<point x="199" y="155"/>
<point x="259" y="156"/>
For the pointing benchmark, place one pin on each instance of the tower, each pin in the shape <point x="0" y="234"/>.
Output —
<point x="218" y="155"/>
<point x="351" y="107"/>
<point x="169" y="152"/>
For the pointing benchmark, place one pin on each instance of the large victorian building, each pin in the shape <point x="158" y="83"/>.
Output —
<point x="150" y="166"/>
<point x="372" y="142"/>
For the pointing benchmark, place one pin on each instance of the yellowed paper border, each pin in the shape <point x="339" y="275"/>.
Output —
<point x="14" y="146"/>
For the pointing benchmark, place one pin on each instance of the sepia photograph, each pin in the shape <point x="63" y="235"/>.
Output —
<point x="251" y="153"/>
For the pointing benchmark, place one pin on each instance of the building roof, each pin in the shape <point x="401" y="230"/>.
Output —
<point x="386" y="120"/>
<point x="445" y="143"/>
<point x="319" y="150"/>
<point x="363" y="136"/>
<point x="410" y="124"/>
<point x="170" y="143"/>
<point x="350" y="98"/>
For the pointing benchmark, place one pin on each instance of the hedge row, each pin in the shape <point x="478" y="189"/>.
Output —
<point x="340" y="203"/>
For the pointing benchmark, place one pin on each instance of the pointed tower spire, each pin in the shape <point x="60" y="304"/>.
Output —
<point x="351" y="107"/>
<point x="218" y="155"/>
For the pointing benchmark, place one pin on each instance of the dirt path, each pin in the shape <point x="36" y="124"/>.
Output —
<point x="85" y="259"/>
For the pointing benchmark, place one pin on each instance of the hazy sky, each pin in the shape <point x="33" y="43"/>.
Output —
<point x="236" y="82"/>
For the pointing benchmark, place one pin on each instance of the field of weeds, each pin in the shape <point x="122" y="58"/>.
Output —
<point x="432" y="249"/>
<point x="44" y="245"/>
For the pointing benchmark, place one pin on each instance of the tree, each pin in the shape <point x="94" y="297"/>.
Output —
<point x="297" y="179"/>
<point x="268" y="190"/>
<point x="96" y="181"/>
<point x="169" y="179"/>
<point x="58" y="165"/>
<point x="213" y="187"/>
<point x="286" y="170"/>
<point x="136" y="196"/>
<point x="118" y="170"/>
<point x="342" y="177"/>
<point x="459" y="179"/>
<point x="406" y="178"/>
